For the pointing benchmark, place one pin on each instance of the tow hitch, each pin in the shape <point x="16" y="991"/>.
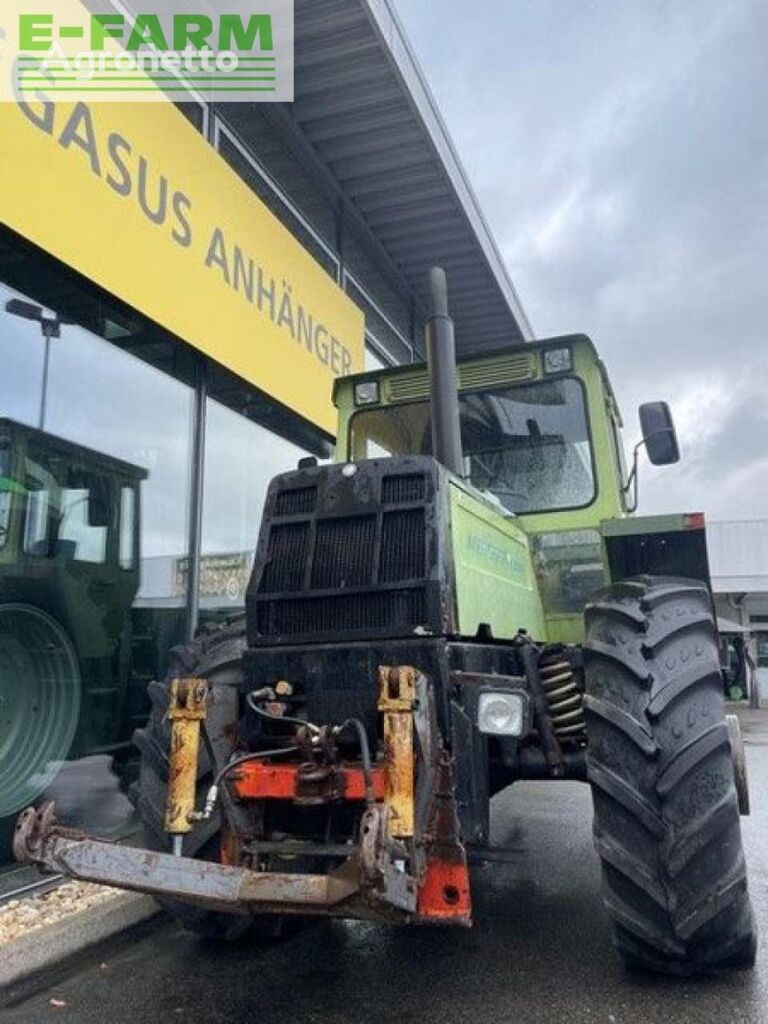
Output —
<point x="404" y="863"/>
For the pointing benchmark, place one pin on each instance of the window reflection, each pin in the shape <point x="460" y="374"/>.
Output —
<point x="373" y="360"/>
<point x="6" y="489"/>
<point x="79" y="534"/>
<point x="128" y="528"/>
<point x="241" y="457"/>
<point x="94" y="535"/>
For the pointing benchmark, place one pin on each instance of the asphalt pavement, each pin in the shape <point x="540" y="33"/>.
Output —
<point x="540" y="950"/>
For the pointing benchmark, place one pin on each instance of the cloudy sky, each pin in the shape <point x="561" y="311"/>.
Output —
<point x="619" y="149"/>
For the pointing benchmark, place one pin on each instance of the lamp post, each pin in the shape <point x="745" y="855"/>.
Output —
<point x="50" y="327"/>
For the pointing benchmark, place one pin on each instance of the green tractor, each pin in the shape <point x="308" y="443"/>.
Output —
<point x="69" y="571"/>
<point x="460" y="602"/>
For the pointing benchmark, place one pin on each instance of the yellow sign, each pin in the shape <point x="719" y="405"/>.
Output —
<point x="134" y="198"/>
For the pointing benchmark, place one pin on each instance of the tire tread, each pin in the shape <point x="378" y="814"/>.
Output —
<point x="679" y="904"/>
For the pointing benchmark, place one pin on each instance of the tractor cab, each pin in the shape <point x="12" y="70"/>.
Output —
<point x="542" y="455"/>
<point x="540" y="429"/>
<point x="69" y="571"/>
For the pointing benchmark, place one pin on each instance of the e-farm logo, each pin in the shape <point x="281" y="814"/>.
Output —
<point x="179" y="49"/>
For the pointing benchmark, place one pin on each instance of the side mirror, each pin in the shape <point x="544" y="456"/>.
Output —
<point x="659" y="433"/>
<point x="99" y="506"/>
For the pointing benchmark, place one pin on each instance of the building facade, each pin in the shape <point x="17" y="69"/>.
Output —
<point x="179" y="286"/>
<point x="738" y="558"/>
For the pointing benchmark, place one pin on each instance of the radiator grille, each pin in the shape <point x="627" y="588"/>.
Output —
<point x="409" y="387"/>
<point x="343" y="552"/>
<point x="396" y="490"/>
<point x="350" y="555"/>
<point x="296" y="503"/>
<point x="504" y="369"/>
<point x="402" y="546"/>
<point x="387" y="609"/>
<point x="288" y="547"/>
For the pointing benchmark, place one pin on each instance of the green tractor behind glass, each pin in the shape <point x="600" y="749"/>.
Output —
<point x="69" y="571"/>
<point x="462" y="601"/>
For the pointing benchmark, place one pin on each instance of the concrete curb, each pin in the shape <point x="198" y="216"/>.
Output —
<point x="45" y="947"/>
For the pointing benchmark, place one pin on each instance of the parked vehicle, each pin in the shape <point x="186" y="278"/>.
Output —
<point x="462" y="601"/>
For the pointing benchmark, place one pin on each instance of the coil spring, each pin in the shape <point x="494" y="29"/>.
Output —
<point x="565" y="700"/>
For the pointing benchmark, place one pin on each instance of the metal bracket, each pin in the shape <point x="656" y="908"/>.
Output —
<point x="371" y="884"/>
<point x="186" y="711"/>
<point x="397" y="698"/>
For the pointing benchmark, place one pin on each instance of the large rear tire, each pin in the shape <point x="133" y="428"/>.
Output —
<point x="215" y="656"/>
<point x="40" y="699"/>
<point x="666" y="807"/>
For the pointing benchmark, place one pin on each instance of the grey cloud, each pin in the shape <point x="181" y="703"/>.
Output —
<point x="620" y="151"/>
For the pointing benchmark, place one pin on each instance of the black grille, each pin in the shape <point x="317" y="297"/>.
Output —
<point x="396" y="490"/>
<point x="297" y="502"/>
<point x="287" y="558"/>
<point x="343" y="552"/>
<point x="387" y="609"/>
<point x="403" y="542"/>
<point x="348" y="555"/>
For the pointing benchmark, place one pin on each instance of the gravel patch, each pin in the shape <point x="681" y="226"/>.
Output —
<point x="19" y="917"/>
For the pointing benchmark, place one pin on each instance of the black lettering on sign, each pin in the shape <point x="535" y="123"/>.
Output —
<point x="266" y="293"/>
<point x="243" y="274"/>
<point x="158" y="214"/>
<point x="81" y="118"/>
<point x="321" y="345"/>
<point x="182" y="233"/>
<point x="305" y="328"/>
<point x="217" y="253"/>
<point x="76" y="127"/>
<point x="43" y="119"/>
<point x="123" y="184"/>
<point x="285" y="317"/>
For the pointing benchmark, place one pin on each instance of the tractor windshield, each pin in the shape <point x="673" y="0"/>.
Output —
<point x="526" y="445"/>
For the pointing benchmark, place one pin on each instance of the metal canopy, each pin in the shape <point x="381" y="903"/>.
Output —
<point x="364" y="116"/>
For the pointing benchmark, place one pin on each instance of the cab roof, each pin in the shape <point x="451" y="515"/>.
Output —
<point x="541" y="345"/>
<point x="71" y="449"/>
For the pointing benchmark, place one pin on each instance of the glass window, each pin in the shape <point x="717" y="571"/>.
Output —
<point x="761" y="640"/>
<point x="37" y="533"/>
<point x="7" y="488"/>
<point x="373" y="360"/>
<point x="21" y="362"/>
<point x="527" y="446"/>
<point x="81" y="535"/>
<point x="110" y="627"/>
<point x="241" y="457"/>
<point x="569" y="569"/>
<point x="127" y="551"/>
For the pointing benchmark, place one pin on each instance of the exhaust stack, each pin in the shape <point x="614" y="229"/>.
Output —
<point x="443" y="384"/>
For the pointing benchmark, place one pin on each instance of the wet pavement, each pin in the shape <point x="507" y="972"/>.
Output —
<point x="540" y="951"/>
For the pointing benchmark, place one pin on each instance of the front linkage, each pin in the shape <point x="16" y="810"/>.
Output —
<point x="407" y="863"/>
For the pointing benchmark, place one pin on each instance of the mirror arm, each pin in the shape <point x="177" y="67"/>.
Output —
<point x="632" y="479"/>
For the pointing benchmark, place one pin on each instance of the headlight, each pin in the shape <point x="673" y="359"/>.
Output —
<point x="501" y="714"/>
<point x="557" y="360"/>
<point x="367" y="392"/>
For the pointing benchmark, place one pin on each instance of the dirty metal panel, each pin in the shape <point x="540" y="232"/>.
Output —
<point x="260" y="781"/>
<point x="195" y="880"/>
<point x="186" y="712"/>
<point x="397" y="690"/>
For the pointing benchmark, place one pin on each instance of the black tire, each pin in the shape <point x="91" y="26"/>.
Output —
<point x="666" y="808"/>
<point x="214" y="655"/>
